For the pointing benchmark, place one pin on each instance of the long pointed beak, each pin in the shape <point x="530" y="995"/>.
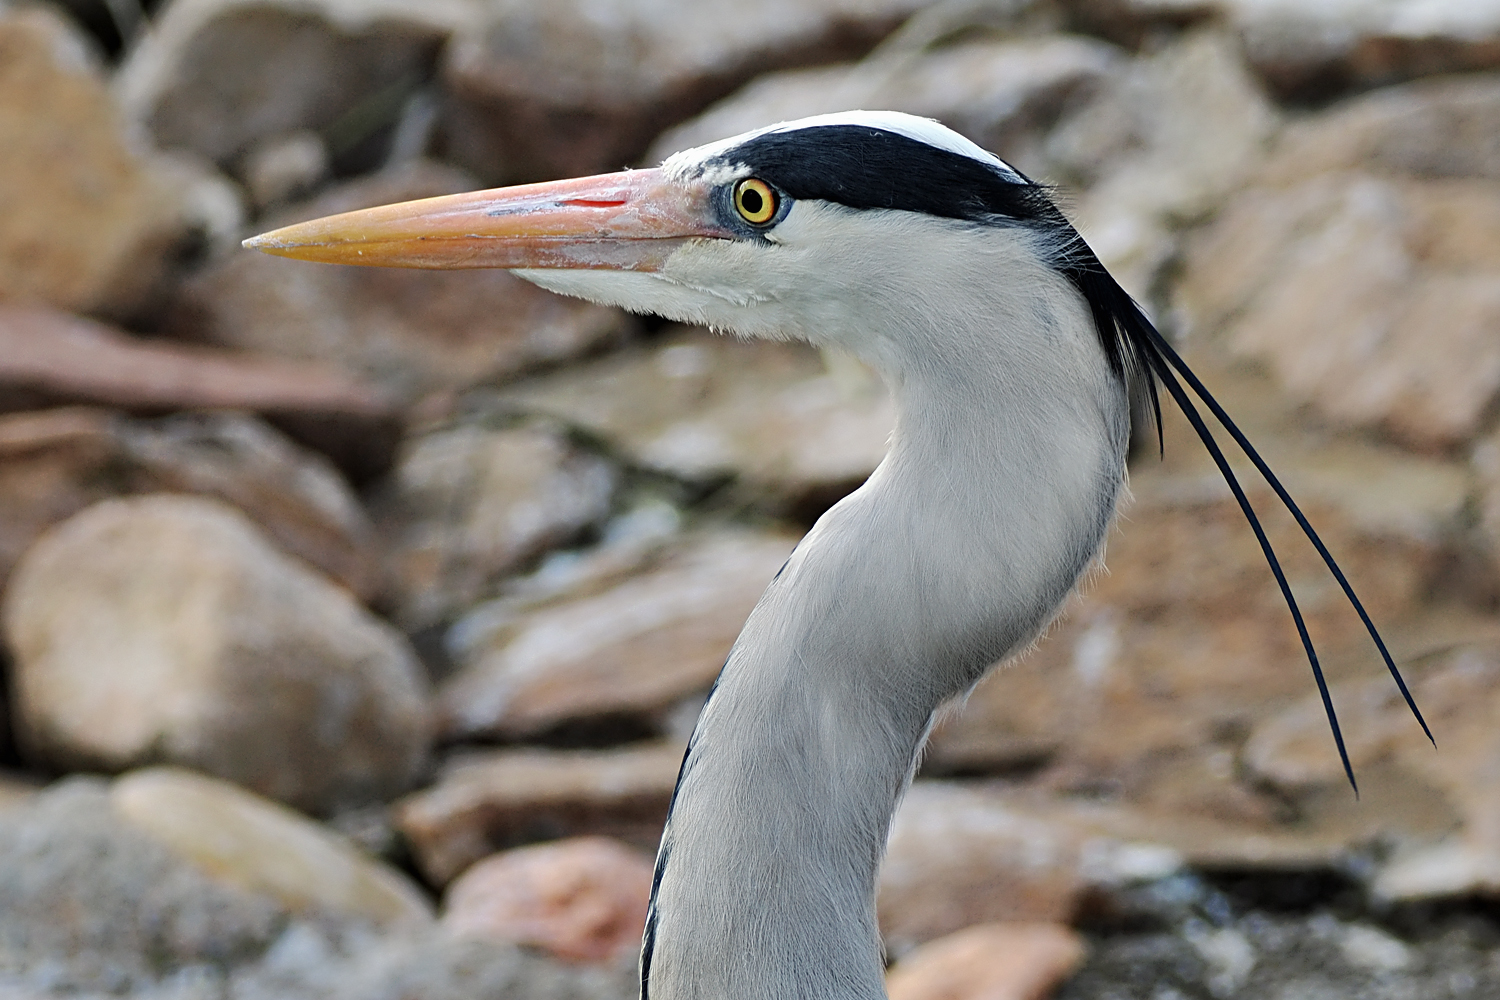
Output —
<point x="631" y="221"/>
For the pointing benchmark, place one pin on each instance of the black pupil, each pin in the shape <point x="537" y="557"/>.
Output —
<point x="751" y="199"/>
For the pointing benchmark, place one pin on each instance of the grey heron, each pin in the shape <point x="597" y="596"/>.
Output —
<point x="1007" y="347"/>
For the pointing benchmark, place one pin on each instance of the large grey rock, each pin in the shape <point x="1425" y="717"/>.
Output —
<point x="441" y="967"/>
<point x="472" y="503"/>
<point x="1361" y="268"/>
<point x="54" y="463"/>
<point x="87" y="220"/>
<point x="635" y="649"/>
<point x="218" y="76"/>
<point x="788" y="423"/>
<point x="89" y="904"/>
<point x="168" y="628"/>
<point x="410" y="331"/>
<point x="1002" y="94"/>
<point x="487" y="801"/>
<point x="92" y="907"/>
<point x="578" y="86"/>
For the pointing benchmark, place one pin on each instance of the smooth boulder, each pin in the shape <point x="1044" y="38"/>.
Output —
<point x="169" y="628"/>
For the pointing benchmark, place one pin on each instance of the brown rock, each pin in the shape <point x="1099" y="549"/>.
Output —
<point x="258" y="846"/>
<point x="1372" y="300"/>
<point x="1162" y="145"/>
<point x="962" y="854"/>
<point x="85" y="223"/>
<point x="1310" y="50"/>
<point x="1001" y="94"/>
<point x="989" y="962"/>
<point x="471" y="504"/>
<point x="957" y="857"/>
<point x="47" y="358"/>
<point x="1449" y="830"/>
<point x="1361" y="268"/>
<point x="54" y="463"/>
<point x="582" y="899"/>
<point x="409" y="331"/>
<point x="169" y="628"/>
<point x="217" y="76"/>
<point x="1430" y="129"/>
<point x="636" y="648"/>
<point x="488" y="801"/>
<point x="579" y="86"/>
<point x="702" y="407"/>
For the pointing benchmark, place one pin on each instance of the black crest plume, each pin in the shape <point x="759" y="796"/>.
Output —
<point x="1133" y="342"/>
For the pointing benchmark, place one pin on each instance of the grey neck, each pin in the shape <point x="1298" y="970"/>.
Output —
<point x="997" y="492"/>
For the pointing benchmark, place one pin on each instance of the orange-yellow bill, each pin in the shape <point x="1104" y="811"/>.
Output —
<point x="632" y="220"/>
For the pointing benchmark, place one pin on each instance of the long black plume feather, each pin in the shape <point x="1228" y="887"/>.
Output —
<point x="1134" y="344"/>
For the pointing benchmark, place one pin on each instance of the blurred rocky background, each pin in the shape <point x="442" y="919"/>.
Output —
<point x="355" y="619"/>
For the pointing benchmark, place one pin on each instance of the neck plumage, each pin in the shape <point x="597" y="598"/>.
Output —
<point x="998" y="489"/>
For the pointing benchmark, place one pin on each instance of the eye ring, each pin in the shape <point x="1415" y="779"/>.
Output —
<point x="756" y="201"/>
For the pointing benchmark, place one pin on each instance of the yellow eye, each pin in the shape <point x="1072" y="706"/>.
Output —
<point x="755" y="200"/>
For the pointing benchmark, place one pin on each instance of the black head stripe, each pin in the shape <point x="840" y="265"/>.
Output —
<point x="863" y="166"/>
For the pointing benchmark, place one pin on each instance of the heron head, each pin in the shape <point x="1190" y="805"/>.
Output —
<point x="758" y="234"/>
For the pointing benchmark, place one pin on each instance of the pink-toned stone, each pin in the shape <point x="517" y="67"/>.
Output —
<point x="484" y="802"/>
<point x="48" y="357"/>
<point x="989" y="962"/>
<point x="1371" y="299"/>
<point x="582" y="899"/>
